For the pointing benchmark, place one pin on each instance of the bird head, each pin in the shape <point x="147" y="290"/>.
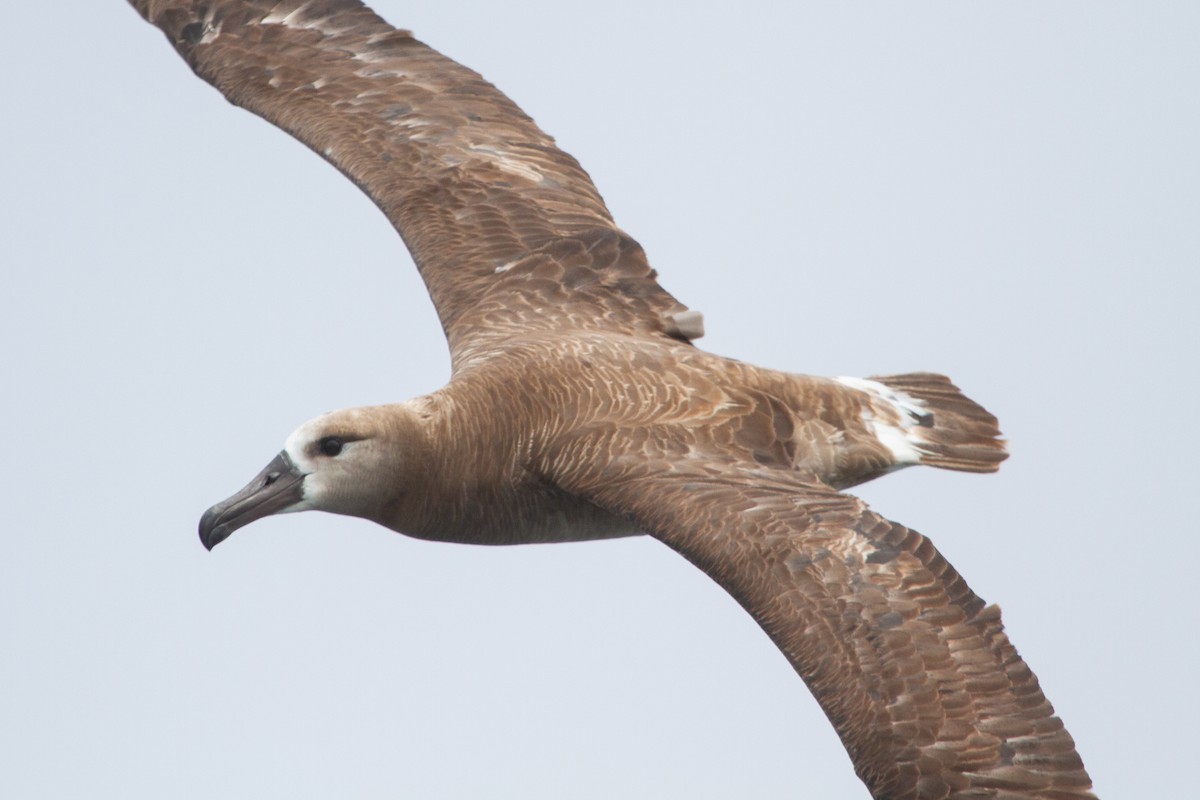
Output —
<point x="345" y="462"/>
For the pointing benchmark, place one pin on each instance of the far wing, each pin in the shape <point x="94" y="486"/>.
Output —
<point x="914" y="671"/>
<point x="507" y="230"/>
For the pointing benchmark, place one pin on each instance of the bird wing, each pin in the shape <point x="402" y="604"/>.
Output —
<point x="913" y="669"/>
<point x="508" y="231"/>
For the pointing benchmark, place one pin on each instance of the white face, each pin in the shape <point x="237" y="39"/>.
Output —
<point x="341" y="460"/>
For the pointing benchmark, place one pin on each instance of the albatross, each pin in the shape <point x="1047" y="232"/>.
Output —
<point x="580" y="408"/>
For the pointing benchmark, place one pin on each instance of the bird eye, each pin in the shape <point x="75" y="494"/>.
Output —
<point x="330" y="446"/>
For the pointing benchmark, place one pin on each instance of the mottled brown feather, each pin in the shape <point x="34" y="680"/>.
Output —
<point x="506" y="229"/>
<point x="913" y="670"/>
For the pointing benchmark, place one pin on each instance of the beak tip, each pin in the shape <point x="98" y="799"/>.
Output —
<point x="278" y="487"/>
<point x="212" y="534"/>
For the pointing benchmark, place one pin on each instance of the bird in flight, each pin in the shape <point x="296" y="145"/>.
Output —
<point x="580" y="408"/>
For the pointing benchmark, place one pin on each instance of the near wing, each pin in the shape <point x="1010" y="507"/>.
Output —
<point x="915" y="672"/>
<point x="507" y="230"/>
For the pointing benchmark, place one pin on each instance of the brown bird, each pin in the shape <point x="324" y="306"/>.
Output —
<point x="580" y="409"/>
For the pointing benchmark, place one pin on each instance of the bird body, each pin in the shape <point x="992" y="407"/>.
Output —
<point x="481" y="461"/>
<point x="580" y="408"/>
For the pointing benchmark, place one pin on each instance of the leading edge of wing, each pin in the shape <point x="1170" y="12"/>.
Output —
<point x="483" y="198"/>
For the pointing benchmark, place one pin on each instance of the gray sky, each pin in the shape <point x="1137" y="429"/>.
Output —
<point x="1006" y="193"/>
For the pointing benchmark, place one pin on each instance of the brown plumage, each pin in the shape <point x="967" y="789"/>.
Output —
<point x="580" y="409"/>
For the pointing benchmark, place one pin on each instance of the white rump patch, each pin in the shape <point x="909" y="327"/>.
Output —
<point x="899" y="431"/>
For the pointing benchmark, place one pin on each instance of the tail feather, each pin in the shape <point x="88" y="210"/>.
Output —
<point x="951" y="431"/>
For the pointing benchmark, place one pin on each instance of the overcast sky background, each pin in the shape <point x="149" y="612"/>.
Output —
<point x="1006" y="193"/>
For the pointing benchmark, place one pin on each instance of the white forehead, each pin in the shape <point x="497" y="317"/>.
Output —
<point x="300" y="438"/>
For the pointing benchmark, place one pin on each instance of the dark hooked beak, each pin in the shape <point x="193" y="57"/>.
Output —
<point x="277" y="487"/>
